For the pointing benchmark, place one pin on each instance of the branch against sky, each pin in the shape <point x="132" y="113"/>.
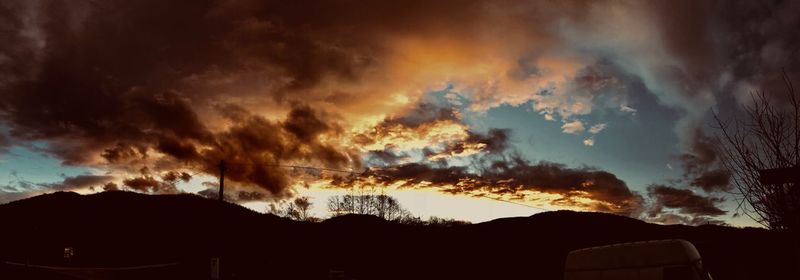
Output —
<point x="766" y="137"/>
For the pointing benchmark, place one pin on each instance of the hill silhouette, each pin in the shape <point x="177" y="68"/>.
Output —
<point x="120" y="229"/>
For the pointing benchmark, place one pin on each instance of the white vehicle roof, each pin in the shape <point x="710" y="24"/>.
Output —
<point x="630" y="255"/>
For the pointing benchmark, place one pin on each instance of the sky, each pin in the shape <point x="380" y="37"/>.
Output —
<point x="473" y="110"/>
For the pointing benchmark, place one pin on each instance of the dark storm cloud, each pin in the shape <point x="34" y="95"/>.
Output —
<point x="114" y="78"/>
<point x="701" y="154"/>
<point x="713" y="43"/>
<point x="110" y="80"/>
<point x="253" y="145"/>
<point x="709" y="53"/>
<point x="385" y="157"/>
<point x="150" y="184"/>
<point x="94" y="51"/>
<point x="174" y="176"/>
<point x="81" y="181"/>
<point x="512" y="176"/>
<point x="761" y="41"/>
<point x="244" y="196"/>
<point x="122" y="152"/>
<point x="683" y="200"/>
<point x="422" y="113"/>
<point x="120" y="79"/>
<point x="186" y="83"/>
<point x="688" y="34"/>
<point x="713" y="180"/>
<point x="110" y="186"/>
<point x="495" y="141"/>
<point x="149" y="181"/>
<point x="702" y="166"/>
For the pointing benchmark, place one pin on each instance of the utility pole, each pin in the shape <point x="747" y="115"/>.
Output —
<point x="221" y="180"/>
<point x="215" y="262"/>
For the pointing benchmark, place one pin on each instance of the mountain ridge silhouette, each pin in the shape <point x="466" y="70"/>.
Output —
<point x="117" y="229"/>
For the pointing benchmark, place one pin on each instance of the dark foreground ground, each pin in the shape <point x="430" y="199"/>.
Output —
<point x="183" y="233"/>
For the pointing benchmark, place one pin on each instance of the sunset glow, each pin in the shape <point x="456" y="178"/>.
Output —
<point x="474" y="110"/>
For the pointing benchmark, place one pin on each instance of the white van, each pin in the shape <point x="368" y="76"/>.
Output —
<point x="649" y="260"/>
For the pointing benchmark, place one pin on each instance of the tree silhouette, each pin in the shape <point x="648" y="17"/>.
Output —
<point x="387" y="207"/>
<point x="298" y="209"/>
<point x="381" y="205"/>
<point x="767" y="137"/>
<point x="445" y="222"/>
<point x="384" y="206"/>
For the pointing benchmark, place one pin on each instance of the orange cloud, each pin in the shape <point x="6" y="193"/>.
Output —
<point x="400" y="137"/>
<point x="510" y="177"/>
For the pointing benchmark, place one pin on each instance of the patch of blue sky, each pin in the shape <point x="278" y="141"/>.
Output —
<point x="21" y="164"/>
<point x="731" y="205"/>
<point x="635" y="147"/>
<point x="638" y="147"/>
<point x="445" y="97"/>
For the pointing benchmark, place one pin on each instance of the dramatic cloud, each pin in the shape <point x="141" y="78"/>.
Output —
<point x="180" y="85"/>
<point x="422" y="126"/>
<point x="435" y="130"/>
<point x="585" y="188"/>
<point x="702" y="167"/>
<point x="683" y="200"/>
<point x="701" y="170"/>
<point x="81" y="181"/>
<point x="385" y="157"/>
<point x="149" y="184"/>
<point x="495" y="141"/>
<point x="174" y="176"/>
<point x="713" y="180"/>
<point x="253" y="146"/>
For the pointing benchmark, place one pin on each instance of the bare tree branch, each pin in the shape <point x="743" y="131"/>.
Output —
<point x="767" y="137"/>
